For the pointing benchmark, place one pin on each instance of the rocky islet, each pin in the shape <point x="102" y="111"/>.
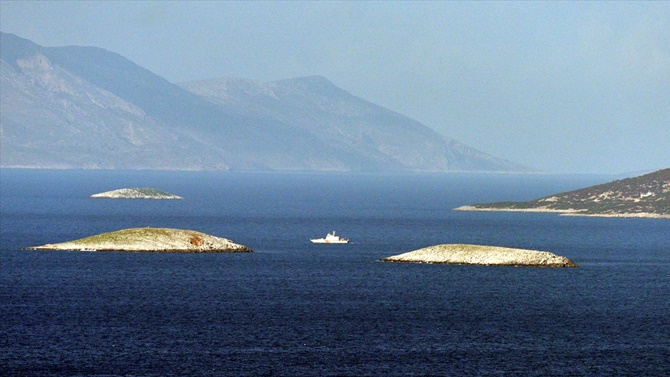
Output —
<point x="150" y="240"/>
<point x="482" y="255"/>
<point x="137" y="193"/>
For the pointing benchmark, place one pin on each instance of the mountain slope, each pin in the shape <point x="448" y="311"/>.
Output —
<point x="337" y="118"/>
<point x="53" y="118"/>
<point x="644" y="196"/>
<point x="85" y="107"/>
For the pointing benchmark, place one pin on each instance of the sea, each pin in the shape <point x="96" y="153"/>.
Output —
<point x="293" y="308"/>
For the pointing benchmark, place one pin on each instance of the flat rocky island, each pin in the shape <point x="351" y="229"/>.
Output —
<point x="150" y="239"/>
<point x="482" y="255"/>
<point x="136" y="193"/>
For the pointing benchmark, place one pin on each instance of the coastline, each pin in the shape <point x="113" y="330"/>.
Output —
<point x="565" y="212"/>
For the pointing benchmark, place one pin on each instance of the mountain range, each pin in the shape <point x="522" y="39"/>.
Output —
<point x="86" y="107"/>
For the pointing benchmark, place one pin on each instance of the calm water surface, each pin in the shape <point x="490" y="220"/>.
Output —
<point x="294" y="308"/>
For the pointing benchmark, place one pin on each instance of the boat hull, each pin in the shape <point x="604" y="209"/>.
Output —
<point x="327" y="241"/>
<point x="330" y="238"/>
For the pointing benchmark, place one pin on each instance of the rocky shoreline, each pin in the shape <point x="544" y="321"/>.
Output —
<point x="150" y="240"/>
<point x="564" y="212"/>
<point x="482" y="255"/>
<point x="646" y="196"/>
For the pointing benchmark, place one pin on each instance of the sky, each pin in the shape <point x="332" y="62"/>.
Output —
<point x="564" y="87"/>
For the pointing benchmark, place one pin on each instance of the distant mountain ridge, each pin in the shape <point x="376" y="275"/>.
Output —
<point x="85" y="107"/>
<point x="643" y="196"/>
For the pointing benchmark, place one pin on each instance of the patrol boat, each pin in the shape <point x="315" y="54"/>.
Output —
<point x="330" y="238"/>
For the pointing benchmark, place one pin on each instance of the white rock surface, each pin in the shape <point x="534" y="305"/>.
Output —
<point x="136" y="193"/>
<point x="482" y="255"/>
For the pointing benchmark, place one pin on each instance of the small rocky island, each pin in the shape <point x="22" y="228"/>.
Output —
<point x="482" y="255"/>
<point x="644" y="196"/>
<point x="136" y="193"/>
<point x="150" y="239"/>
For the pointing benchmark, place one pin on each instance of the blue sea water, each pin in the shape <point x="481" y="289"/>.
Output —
<point x="293" y="308"/>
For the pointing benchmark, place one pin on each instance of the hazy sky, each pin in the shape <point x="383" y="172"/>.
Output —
<point x="561" y="86"/>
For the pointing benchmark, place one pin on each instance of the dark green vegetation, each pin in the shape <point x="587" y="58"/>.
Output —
<point x="152" y="192"/>
<point x="647" y="195"/>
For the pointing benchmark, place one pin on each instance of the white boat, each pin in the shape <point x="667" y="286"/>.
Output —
<point x="330" y="238"/>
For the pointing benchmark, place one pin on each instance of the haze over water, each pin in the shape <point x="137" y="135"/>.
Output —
<point x="567" y="87"/>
